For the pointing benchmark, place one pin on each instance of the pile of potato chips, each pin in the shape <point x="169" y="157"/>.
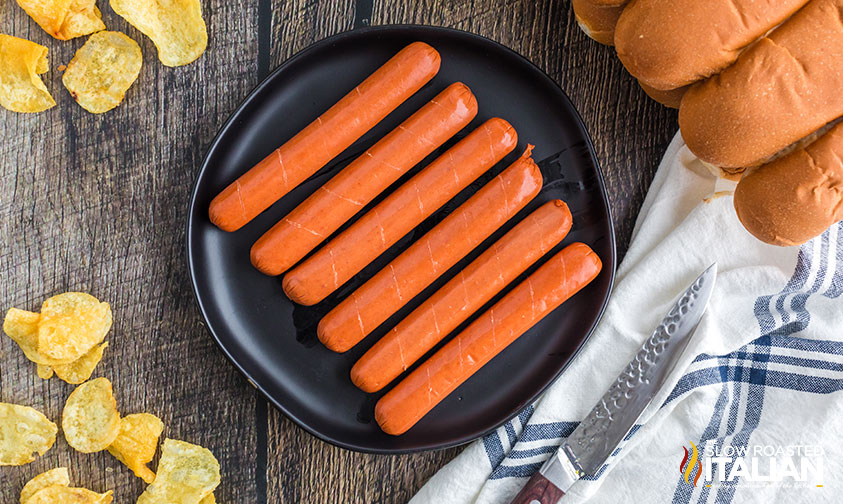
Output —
<point x="66" y="337"/>
<point x="109" y="62"/>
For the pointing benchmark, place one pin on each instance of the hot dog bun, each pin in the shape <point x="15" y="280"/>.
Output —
<point x="782" y="89"/>
<point x="598" y="19"/>
<point x="668" y="44"/>
<point x="793" y="199"/>
<point x="671" y="98"/>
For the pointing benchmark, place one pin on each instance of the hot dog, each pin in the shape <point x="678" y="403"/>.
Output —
<point x="554" y="282"/>
<point x="371" y="235"/>
<point x="326" y="137"/>
<point x="356" y="185"/>
<point x="463" y="295"/>
<point x="433" y="254"/>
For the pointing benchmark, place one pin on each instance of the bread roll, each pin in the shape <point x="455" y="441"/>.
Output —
<point x="782" y="89"/>
<point x="668" y="44"/>
<point x="597" y="18"/>
<point x="671" y="98"/>
<point x="795" y="198"/>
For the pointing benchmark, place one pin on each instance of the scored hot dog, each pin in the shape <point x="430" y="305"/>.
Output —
<point x="303" y="229"/>
<point x="373" y="233"/>
<point x="554" y="282"/>
<point x="431" y="255"/>
<point x="326" y="137"/>
<point x="463" y="295"/>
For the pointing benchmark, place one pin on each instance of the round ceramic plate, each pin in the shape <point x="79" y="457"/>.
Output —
<point x="273" y="341"/>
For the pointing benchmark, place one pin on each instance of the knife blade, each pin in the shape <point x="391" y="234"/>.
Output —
<point x="595" y="439"/>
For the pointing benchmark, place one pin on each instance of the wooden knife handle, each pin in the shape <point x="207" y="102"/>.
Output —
<point x="539" y="490"/>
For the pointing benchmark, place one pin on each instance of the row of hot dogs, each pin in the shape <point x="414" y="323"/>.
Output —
<point x="310" y="279"/>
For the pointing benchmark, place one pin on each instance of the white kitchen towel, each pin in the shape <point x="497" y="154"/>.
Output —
<point x="758" y="393"/>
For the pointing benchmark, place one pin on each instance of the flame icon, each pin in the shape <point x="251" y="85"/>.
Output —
<point x="686" y="467"/>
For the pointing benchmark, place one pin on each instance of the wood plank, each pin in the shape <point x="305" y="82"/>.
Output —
<point x="630" y="133"/>
<point x="98" y="204"/>
<point x="296" y="24"/>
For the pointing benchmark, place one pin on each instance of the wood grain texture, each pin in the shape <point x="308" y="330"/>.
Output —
<point x="97" y="203"/>
<point x="630" y="133"/>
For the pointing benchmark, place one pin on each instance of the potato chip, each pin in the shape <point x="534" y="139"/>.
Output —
<point x="21" y="61"/>
<point x="136" y="444"/>
<point x="23" y="430"/>
<point x="71" y="325"/>
<point x="82" y="368"/>
<point x="175" y="27"/>
<point x="44" y="372"/>
<point x="53" y="477"/>
<point x="102" y="71"/>
<point x="186" y="474"/>
<point x="60" y="494"/>
<point x="65" y="19"/>
<point x="210" y="499"/>
<point x="22" y="327"/>
<point x="90" y="420"/>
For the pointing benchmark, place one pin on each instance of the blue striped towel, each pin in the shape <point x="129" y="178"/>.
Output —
<point x="754" y="411"/>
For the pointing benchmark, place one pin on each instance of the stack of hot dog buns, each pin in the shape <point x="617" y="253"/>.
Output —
<point x="758" y="87"/>
<point x="316" y="261"/>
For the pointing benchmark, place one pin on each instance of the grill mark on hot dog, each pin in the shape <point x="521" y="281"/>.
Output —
<point x="299" y="226"/>
<point x="455" y="172"/>
<point x="498" y="261"/>
<point x="334" y="269"/>
<point x="283" y="171"/>
<point x="401" y="353"/>
<point x="359" y="318"/>
<point x="240" y="199"/>
<point x="503" y="190"/>
<point x="422" y="137"/>
<point x="435" y="321"/>
<point x="340" y="196"/>
<point x="380" y="228"/>
<point x="433" y="264"/>
<point x="418" y="199"/>
<point x="395" y="281"/>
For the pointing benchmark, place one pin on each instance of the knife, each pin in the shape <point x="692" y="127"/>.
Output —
<point x="596" y="438"/>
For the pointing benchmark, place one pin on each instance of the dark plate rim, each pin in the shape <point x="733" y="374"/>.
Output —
<point x="252" y="95"/>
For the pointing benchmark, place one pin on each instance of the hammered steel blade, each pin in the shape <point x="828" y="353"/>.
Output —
<point x="594" y="440"/>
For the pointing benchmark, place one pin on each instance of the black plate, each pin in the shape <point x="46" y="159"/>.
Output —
<point x="273" y="342"/>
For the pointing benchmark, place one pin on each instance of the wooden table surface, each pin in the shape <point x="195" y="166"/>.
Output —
<point x="97" y="203"/>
